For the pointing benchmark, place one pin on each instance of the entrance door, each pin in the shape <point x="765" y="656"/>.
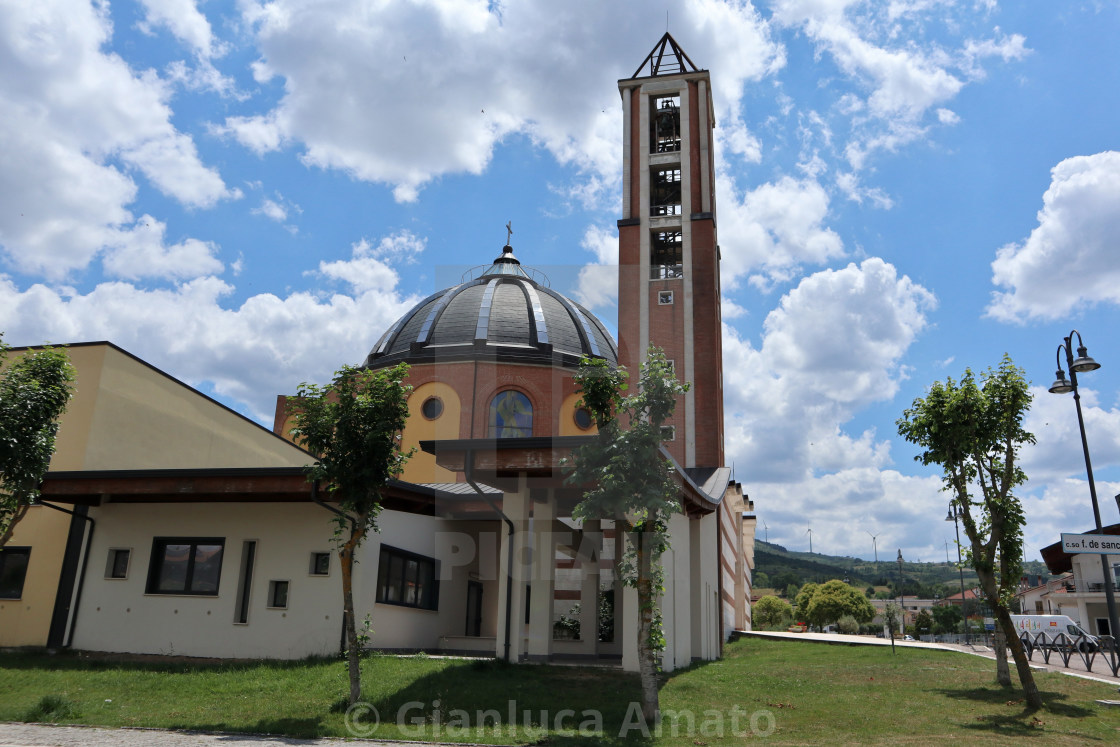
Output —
<point x="474" y="608"/>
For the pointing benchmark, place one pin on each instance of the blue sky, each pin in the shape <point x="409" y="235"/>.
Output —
<point x="247" y="193"/>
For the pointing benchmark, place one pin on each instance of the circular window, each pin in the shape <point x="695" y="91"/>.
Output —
<point x="583" y="418"/>
<point x="432" y="408"/>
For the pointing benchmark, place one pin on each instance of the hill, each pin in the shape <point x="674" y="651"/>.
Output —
<point x="775" y="560"/>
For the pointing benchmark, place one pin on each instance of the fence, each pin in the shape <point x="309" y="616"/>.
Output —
<point x="1088" y="649"/>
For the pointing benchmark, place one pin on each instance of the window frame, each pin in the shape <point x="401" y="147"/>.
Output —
<point x="23" y="551"/>
<point x="312" y="569"/>
<point x="273" y="586"/>
<point x="385" y="556"/>
<point x="155" y="564"/>
<point x="111" y="563"/>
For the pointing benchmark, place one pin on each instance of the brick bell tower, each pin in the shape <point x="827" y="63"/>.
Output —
<point x="669" y="291"/>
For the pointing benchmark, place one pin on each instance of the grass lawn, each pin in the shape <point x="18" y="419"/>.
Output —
<point x="790" y="693"/>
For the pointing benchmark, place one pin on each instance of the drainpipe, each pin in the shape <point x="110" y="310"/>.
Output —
<point x="67" y="639"/>
<point x="509" y="541"/>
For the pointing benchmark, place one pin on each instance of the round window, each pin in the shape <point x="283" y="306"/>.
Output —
<point x="583" y="418"/>
<point x="432" y="408"/>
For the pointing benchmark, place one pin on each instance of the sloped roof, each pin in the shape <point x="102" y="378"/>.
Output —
<point x="666" y="58"/>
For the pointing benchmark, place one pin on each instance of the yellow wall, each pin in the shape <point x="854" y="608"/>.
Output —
<point x="126" y="415"/>
<point x="422" y="467"/>
<point x="26" y="621"/>
<point x="567" y="420"/>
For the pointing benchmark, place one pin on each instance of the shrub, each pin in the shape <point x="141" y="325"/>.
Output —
<point x="847" y="625"/>
<point x="52" y="709"/>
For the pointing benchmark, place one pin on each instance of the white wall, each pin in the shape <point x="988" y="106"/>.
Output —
<point x="118" y="615"/>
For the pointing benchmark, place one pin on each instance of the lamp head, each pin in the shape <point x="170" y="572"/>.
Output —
<point x="1084" y="362"/>
<point x="1061" y="384"/>
<point x="950" y="516"/>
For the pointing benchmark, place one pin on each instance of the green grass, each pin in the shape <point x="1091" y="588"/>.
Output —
<point x="794" y="692"/>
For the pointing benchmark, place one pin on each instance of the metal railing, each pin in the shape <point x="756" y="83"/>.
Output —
<point x="1089" y="650"/>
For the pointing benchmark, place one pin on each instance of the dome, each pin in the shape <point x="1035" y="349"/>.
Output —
<point x="504" y="314"/>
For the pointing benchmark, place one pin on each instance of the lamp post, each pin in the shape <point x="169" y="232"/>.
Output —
<point x="960" y="567"/>
<point x="901" y="593"/>
<point x="1061" y="385"/>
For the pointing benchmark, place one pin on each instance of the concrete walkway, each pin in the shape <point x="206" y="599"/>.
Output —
<point x="1100" y="673"/>
<point x="43" y="735"/>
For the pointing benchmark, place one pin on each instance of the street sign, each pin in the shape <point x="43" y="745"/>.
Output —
<point x="1098" y="544"/>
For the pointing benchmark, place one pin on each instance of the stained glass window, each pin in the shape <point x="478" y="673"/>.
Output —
<point x="511" y="415"/>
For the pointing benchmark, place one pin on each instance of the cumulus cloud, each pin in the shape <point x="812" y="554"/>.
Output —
<point x="368" y="268"/>
<point x="832" y="346"/>
<point x="73" y="117"/>
<point x="142" y="253"/>
<point x="444" y="82"/>
<point x="771" y="231"/>
<point x="249" y="353"/>
<point x="598" y="282"/>
<point x="1069" y="261"/>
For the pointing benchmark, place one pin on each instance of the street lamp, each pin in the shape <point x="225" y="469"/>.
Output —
<point x="1063" y="386"/>
<point x="901" y="593"/>
<point x="952" y="516"/>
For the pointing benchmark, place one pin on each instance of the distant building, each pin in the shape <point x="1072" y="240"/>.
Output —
<point x="1084" y="588"/>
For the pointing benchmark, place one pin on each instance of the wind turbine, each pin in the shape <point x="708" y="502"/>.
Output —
<point x="766" y="529"/>
<point x="810" y="533"/>
<point x="875" y="545"/>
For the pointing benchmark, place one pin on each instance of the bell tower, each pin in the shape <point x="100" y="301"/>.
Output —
<point x="669" y="291"/>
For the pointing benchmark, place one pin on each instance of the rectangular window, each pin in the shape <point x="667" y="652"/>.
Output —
<point x="186" y="565"/>
<point x="320" y="564"/>
<point x="13" y="571"/>
<point x="245" y="581"/>
<point x="278" y="594"/>
<point x="665" y="298"/>
<point x="668" y="433"/>
<point x="407" y="579"/>
<point x="117" y="564"/>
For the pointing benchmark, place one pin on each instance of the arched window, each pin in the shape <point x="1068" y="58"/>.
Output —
<point x="511" y="415"/>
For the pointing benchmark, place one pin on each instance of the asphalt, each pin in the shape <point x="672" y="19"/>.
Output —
<point x="46" y="735"/>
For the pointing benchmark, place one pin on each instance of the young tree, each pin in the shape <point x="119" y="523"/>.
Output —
<point x="632" y="483"/>
<point x="923" y="623"/>
<point x="770" y="611"/>
<point x="34" y="392"/>
<point x="892" y="616"/>
<point x="975" y="431"/>
<point x="353" y="427"/>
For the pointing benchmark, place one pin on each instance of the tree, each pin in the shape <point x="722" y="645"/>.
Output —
<point x="946" y="618"/>
<point x="34" y="392"/>
<point x="923" y="623"/>
<point x="974" y="432"/>
<point x="632" y="483"/>
<point x="802" y="599"/>
<point x="353" y="427"/>
<point x="771" y="612"/>
<point x="892" y="615"/>
<point x="832" y="600"/>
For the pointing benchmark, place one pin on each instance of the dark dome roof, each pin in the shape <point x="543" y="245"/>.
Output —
<point x="504" y="314"/>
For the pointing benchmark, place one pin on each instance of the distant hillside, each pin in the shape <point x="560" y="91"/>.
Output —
<point x="773" y="560"/>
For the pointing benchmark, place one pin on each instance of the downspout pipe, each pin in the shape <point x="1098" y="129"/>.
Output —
<point x="69" y="637"/>
<point x="469" y="470"/>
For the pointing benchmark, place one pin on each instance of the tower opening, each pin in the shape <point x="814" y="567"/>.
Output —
<point x="665" y="124"/>
<point x="666" y="259"/>
<point x="665" y="191"/>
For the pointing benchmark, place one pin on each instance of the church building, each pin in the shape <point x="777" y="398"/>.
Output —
<point x="171" y="524"/>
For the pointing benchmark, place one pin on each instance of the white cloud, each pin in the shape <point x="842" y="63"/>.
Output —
<point x="368" y="268"/>
<point x="249" y="353"/>
<point x="832" y="346"/>
<point x="598" y="282"/>
<point x="183" y="19"/>
<point x="271" y="210"/>
<point x="442" y="83"/>
<point x="774" y="229"/>
<point x="74" y="118"/>
<point x="1069" y="261"/>
<point x="141" y="253"/>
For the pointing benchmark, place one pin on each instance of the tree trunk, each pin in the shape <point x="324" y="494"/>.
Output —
<point x="647" y="664"/>
<point x="1022" y="666"/>
<point x="19" y="512"/>
<point x="353" y="651"/>
<point x="999" y="645"/>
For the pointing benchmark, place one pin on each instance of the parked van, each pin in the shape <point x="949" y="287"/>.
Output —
<point x="1051" y="627"/>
